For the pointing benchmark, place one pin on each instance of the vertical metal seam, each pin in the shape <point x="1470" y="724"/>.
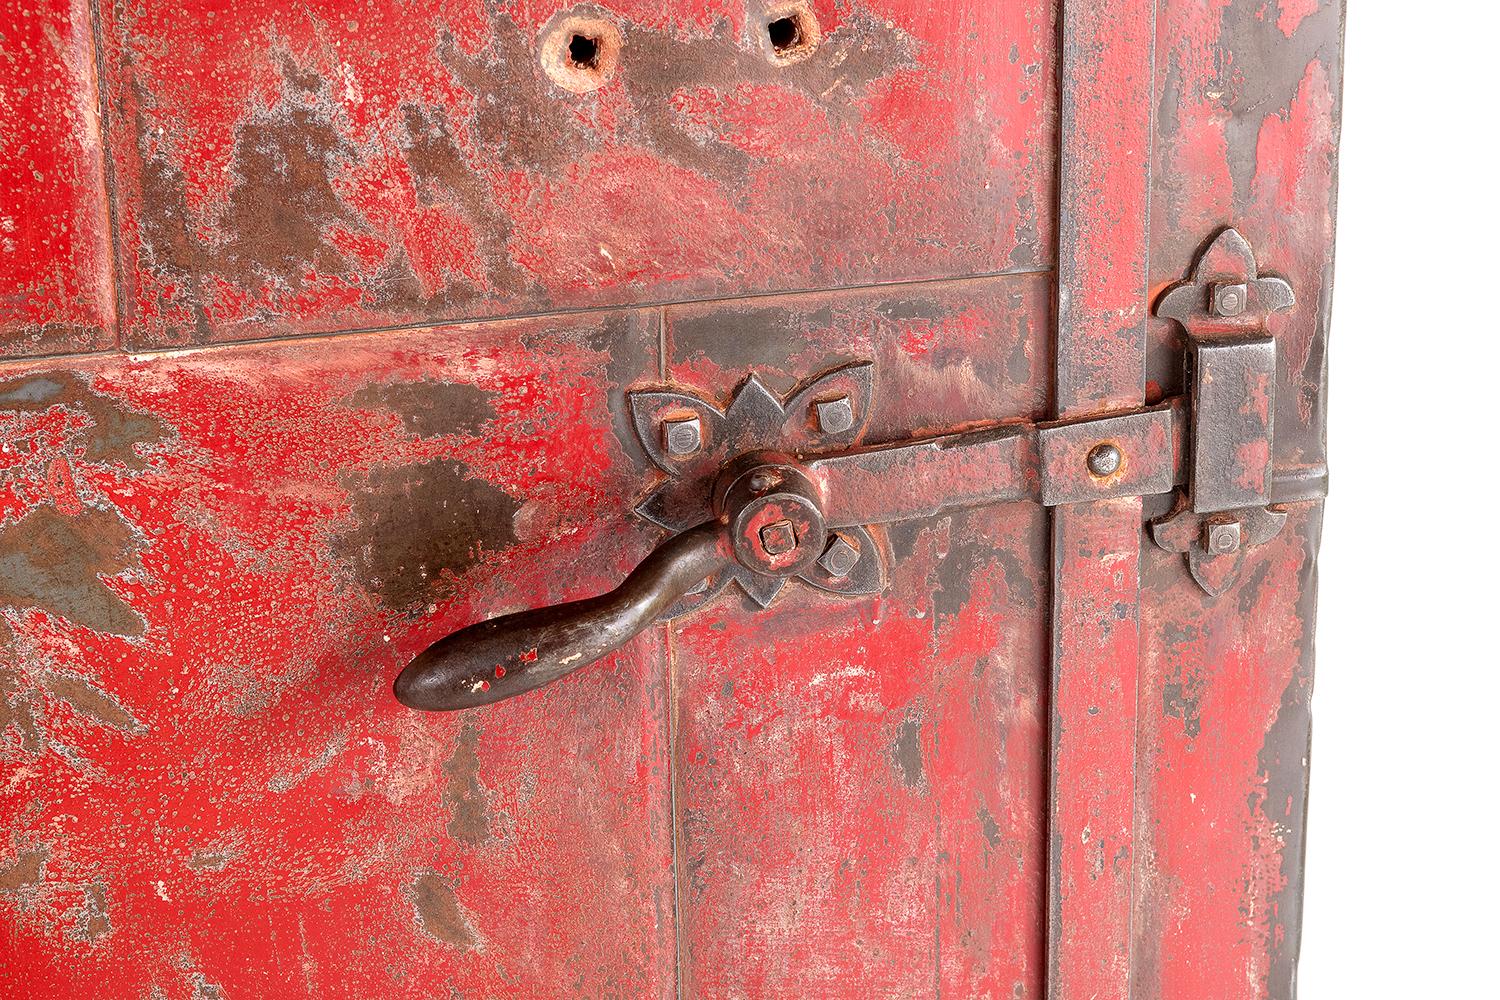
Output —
<point x="107" y="174"/>
<point x="1077" y="390"/>
<point x="661" y="342"/>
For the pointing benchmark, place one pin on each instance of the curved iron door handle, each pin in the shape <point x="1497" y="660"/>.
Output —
<point x="507" y="656"/>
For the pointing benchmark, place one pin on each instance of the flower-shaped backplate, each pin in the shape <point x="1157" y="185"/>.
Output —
<point x="756" y="420"/>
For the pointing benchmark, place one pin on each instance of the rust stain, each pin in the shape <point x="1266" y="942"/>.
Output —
<point x="989" y="827"/>
<point x="93" y="923"/>
<point x="429" y="408"/>
<point x="57" y="563"/>
<point x="284" y="201"/>
<point x="210" y="860"/>
<point x="416" y="523"/>
<point x="26" y="871"/>
<point x="16" y="710"/>
<point x="464" y="795"/>
<point x="116" y="433"/>
<point x="907" y="749"/>
<point x="439" y="913"/>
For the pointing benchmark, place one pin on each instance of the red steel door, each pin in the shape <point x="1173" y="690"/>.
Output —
<point x="322" y="323"/>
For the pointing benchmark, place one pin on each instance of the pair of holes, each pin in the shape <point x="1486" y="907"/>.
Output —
<point x="582" y="53"/>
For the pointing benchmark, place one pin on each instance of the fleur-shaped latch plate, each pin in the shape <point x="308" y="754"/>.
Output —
<point x="828" y="413"/>
<point x="1232" y="379"/>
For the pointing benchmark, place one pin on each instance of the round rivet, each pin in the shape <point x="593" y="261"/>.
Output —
<point x="1104" y="460"/>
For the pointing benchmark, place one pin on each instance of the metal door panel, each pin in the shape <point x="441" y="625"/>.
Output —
<point x="860" y="782"/>
<point x="56" y="279"/>
<point x="1247" y="131"/>
<point x="1223" y="765"/>
<point x="1042" y="761"/>
<point x="324" y="166"/>
<point x="214" y="563"/>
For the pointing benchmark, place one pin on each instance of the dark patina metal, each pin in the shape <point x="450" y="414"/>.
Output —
<point x="1231" y="365"/>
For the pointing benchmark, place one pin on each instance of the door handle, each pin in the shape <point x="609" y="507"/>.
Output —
<point x="507" y="656"/>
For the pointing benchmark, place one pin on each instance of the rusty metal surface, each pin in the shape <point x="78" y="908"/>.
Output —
<point x="1246" y="135"/>
<point x="1234" y="398"/>
<point x="213" y="562"/>
<point x="1133" y="454"/>
<point x="342" y="166"/>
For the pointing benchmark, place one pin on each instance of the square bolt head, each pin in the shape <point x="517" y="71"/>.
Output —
<point x="1230" y="300"/>
<point x="682" y="436"/>
<point x="839" y="558"/>
<point x="1221" y="539"/>
<point x="778" y="538"/>
<point x="835" y="415"/>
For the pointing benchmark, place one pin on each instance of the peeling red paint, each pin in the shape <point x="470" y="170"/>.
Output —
<point x="56" y="273"/>
<point x="213" y="561"/>
<point x="700" y="169"/>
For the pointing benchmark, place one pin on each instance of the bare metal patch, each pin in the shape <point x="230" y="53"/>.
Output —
<point x="415" y="524"/>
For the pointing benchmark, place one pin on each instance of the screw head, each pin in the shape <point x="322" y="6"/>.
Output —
<point x="839" y="558"/>
<point x="778" y="538"/>
<point x="835" y="415"/>
<point x="1104" y="460"/>
<point x="682" y="436"/>
<point x="1222" y="538"/>
<point x="1230" y="300"/>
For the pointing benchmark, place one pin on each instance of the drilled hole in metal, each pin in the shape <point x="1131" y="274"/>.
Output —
<point x="583" y="52"/>
<point x="784" y="33"/>
<point x="791" y="33"/>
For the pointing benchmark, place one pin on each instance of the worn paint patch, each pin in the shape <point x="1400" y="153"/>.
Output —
<point x="439" y="913"/>
<point x="91" y="701"/>
<point x="464" y="795"/>
<point x="16" y="710"/>
<point x="907" y="750"/>
<point x="59" y="564"/>
<point x="429" y="408"/>
<point x="25" y="871"/>
<point x="92" y="922"/>
<point x="418" y="525"/>
<point x="105" y="430"/>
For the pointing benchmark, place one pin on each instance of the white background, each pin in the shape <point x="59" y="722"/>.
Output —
<point x="1402" y="892"/>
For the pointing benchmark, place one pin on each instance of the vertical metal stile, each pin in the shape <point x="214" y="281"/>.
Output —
<point x="1102" y="308"/>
